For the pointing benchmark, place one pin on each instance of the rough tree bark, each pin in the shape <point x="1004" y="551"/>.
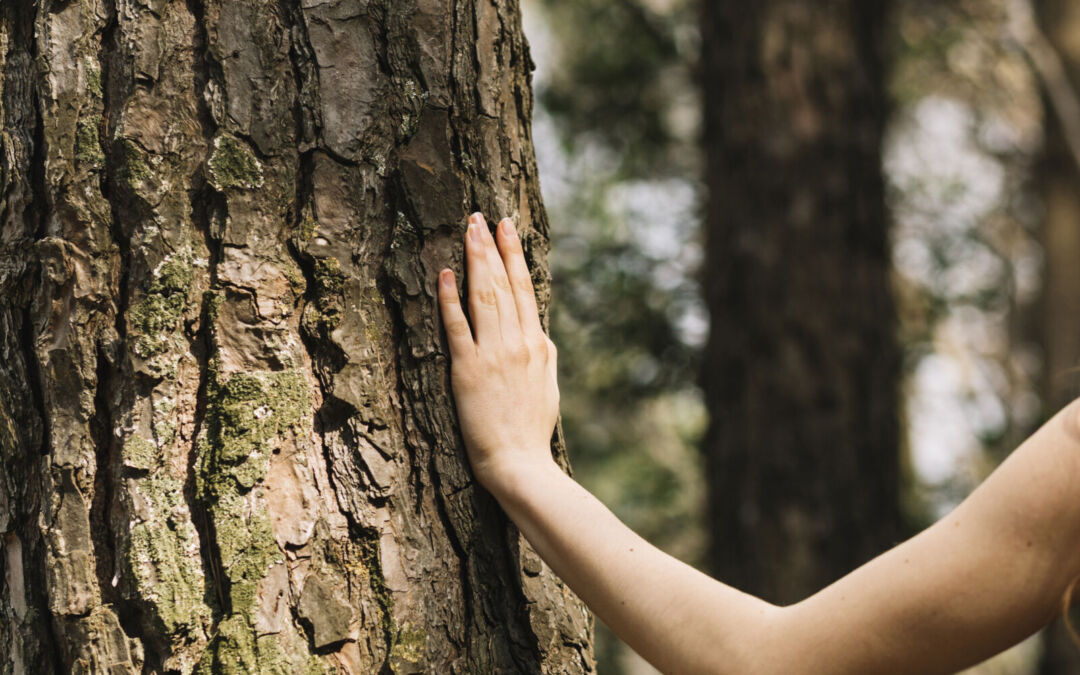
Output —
<point x="225" y="423"/>
<point x="801" y="367"/>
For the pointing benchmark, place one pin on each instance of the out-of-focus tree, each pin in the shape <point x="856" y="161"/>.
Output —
<point x="802" y="364"/>
<point x="1054" y="50"/>
<point x="1059" y="184"/>
<point x="619" y="147"/>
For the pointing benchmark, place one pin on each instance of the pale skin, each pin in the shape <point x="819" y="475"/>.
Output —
<point x="986" y="576"/>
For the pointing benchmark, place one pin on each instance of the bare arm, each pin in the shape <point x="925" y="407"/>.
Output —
<point x="983" y="578"/>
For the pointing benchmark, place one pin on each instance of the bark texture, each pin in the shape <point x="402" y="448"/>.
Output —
<point x="802" y="364"/>
<point x="225" y="418"/>
<point x="1059" y="184"/>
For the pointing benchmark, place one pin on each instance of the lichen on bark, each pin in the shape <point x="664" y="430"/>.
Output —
<point x="155" y="326"/>
<point x="88" y="142"/>
<point x="163" y="555"/>
<point x="233" y="165"/>
<point x="246" y="415"/>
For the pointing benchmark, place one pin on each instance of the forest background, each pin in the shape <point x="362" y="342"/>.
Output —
<point x="981" y="192"/>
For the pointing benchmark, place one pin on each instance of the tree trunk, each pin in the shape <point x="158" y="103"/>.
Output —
<point x="226" y="426"/>
<point x="1059" y="184"/>
<point x="802" y="364"/>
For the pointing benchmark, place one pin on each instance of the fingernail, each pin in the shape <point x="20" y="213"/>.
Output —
<point x="474" y="231"/>
<point x="507" y="226"/>
<point x="446" y="278"/>
<point x="476" y="218"/>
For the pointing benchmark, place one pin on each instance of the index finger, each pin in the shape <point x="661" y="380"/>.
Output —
<point x="520" y="280"/>
<point x="458" y="334"/>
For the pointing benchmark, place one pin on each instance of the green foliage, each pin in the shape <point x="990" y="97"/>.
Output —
<point x="958" y="161"/>
<point x="621" y="67"/>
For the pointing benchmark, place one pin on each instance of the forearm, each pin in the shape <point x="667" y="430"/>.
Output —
<point x="680" y="620"/>
<point x="984" y="577"/>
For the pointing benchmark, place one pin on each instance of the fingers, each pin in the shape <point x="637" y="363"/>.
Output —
<point x="458" y="334"/>
<point x="504" y="297"/>
<point x="517" y="270"/>
<point x="483" y="306"/>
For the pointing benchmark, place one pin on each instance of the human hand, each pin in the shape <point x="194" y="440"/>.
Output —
<point x="503" y="367"/>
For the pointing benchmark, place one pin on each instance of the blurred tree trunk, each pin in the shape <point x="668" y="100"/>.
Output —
<point x="1058" y="179"/>
<point x="227" y="437"/>
<point x="802" y="364"/>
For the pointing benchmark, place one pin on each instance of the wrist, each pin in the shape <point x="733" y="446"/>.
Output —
<point x="510" y="477"/>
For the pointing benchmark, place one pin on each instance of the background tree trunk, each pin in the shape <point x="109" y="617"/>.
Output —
<point x="225" y="421"/>
<point x="1058" y="181"/>
<point x="802" y="365"/>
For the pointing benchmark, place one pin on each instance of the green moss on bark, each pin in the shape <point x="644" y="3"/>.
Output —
<point x="164" y="422"/>
<point x="88" y="142"/>
<point x="237" y="649"/>
<point x="93" y="78"/>
<point x="247" y="414"/>
<point x="155" y="321"/>
<point x="253" y="408"/>
<point x="323" y="314"/>
<point x="163" y="558"/>
<point x="308" y="226"/>
<point x="139" y="453"/>
<point x="133" y="168"/>
<point x="408" y="652"/>
<point x="233" y="165"/>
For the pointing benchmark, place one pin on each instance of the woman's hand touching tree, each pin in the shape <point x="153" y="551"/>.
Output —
<point x="503" y="365"/>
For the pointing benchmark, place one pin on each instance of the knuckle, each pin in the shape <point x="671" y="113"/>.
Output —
<point x="457" y="328"/>
<point x="484" y="365"/>
<point x="485" y="296"/>
<point x="488" y="357"/>
<point x="538" y="345"/>
<point x="519" y="352"/>
<point x="523" y="279"/>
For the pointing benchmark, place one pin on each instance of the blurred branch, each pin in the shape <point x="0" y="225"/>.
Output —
<point x="1050" y="69"/>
